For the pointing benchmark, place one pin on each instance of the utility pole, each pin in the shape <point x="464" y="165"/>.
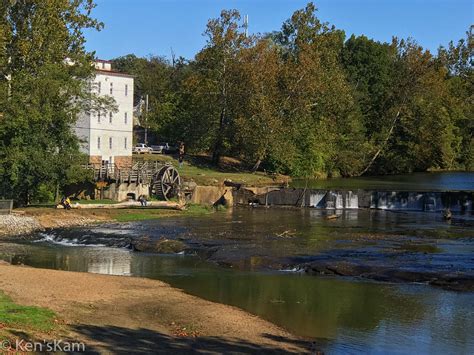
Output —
<point x="246" y="25"/>
<point x="146" y="119"/>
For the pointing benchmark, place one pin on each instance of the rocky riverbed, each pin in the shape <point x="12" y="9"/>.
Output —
<point x="378" y="245"/>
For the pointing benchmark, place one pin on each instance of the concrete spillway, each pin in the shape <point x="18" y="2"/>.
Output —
<point x="456" y="201"/>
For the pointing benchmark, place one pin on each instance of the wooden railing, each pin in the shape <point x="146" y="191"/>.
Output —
<point x="139" y="173"/>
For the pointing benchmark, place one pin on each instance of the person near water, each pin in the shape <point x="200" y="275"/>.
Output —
<point x="66" y="203"/>
<point x="181" y="154"/>
<point x="142" y="200"/>
<point x="447" y="214"/>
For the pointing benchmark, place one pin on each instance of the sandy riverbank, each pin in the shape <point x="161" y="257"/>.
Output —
<point x="136" y="315"/>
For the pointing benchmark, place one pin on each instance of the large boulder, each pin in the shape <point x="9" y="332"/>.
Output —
<point x="160" y="246"/>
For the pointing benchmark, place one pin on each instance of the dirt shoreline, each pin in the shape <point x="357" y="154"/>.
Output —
<point x="128" y="314"/>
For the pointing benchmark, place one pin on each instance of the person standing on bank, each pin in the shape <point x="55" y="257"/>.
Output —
<point x="181" y="154"/>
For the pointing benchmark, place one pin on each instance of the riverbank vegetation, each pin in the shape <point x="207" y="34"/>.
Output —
<point x="44" y="72"/>
<point x="199" y="168"/>
<point x="308" y="101"/>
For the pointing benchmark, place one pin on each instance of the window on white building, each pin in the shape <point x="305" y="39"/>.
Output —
<point x="98" y="117"/>
<point x="126" y="90"/>
<point x="111" y="88"/>
<point x="110" y="142"/>
<point x="125" y="143"/>
<point x="110" y="117"/>
<point x="103" y="65"/>
<point x="126" y="117"/>
<point x="98" y="142"/>
<point x="99" y="86"/>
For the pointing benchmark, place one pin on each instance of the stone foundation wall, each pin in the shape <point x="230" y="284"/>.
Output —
<point x="123" y="192"/>
<point x="212" y="195"/>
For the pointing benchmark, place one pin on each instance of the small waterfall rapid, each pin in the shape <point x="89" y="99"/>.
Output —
<point x="461" y="201"/>
<point x="317" y="199"/>
<point x="343" y="199"/>
<point x="351" y="200"/>
<point x="410" y="201"/>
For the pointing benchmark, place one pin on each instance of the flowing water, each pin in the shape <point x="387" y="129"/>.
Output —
<point x="265" y="247"/>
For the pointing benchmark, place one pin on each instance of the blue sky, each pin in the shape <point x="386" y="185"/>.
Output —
<point x="146" y="27"/>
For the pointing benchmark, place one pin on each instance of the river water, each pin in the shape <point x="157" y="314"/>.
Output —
<point x="435" y="181"/>
<point x="250" y="258"/>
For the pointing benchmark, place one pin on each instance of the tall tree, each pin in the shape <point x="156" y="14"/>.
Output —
<point x="370" y="67"/>
<point x="318" y="102"/>
<point x="260" y="128"/>
<point x="215" y="77"/>
<point x="458" y="58"/>
<point x="421" y="135"/>
<point x="46" y="71"/>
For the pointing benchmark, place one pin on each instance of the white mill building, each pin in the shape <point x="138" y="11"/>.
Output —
<point x="107" y="136"/>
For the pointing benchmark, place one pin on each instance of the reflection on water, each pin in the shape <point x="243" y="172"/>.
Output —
<point x="439" y="181"/>
<point x="342" y="315"/>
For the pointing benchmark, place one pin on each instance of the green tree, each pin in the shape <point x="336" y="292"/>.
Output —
<point x="422" y="134"/>
<point x="458" y="59"/>
<point x="317" y="100"/>
<point x="308" y="102"/>
<point x="214" y="81"/>
<point x="370" y="67"/>
<point x="46" y="70"/>
<point x="259" y="126"/>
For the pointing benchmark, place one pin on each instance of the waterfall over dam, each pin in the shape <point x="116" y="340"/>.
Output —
<point x="456" y="201"/>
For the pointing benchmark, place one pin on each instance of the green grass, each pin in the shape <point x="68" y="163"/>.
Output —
<point x="32" y="318"/>
<point x="131" y="215"/>
<point x="95" y="202"/>
<point x="202" y="173"/>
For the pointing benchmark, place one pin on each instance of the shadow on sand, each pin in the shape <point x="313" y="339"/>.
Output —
<point x="111" y="339"/>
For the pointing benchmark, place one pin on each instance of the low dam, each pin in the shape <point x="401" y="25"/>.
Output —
<point x="456" y="201"/>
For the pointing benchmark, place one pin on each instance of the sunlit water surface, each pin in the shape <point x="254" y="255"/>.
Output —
<point x="341" y="315"/>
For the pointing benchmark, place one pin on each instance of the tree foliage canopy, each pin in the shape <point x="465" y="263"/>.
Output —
<point x="43" y="72"/>
<point x="306" y="101"/>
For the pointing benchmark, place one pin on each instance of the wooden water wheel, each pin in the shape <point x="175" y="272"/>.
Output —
<point x="166" y="183"/>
